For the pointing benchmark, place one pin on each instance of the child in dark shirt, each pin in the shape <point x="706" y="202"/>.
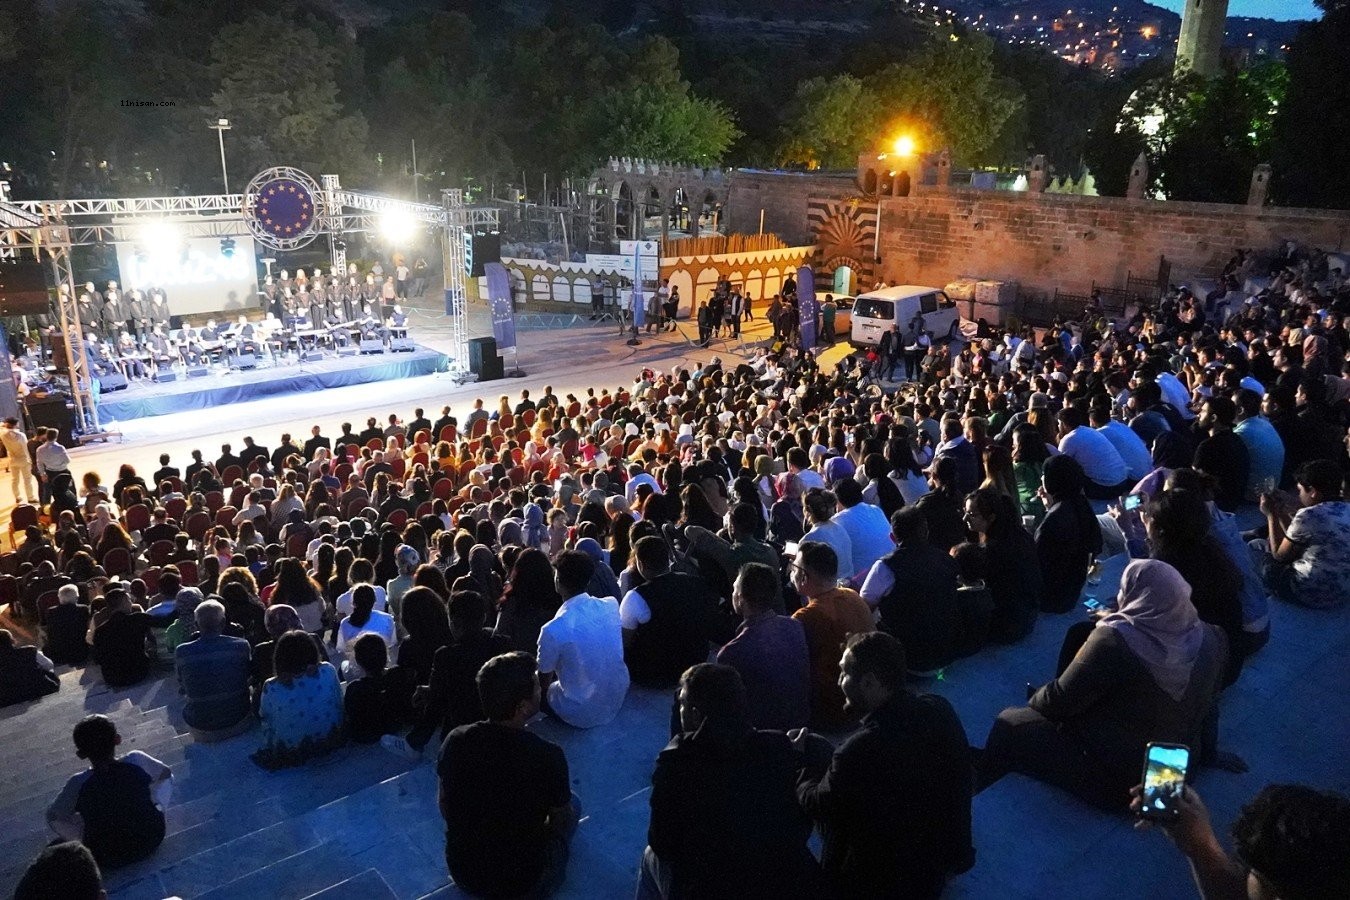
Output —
<point x="369" y="712"/>
<point x="974" y="602"/>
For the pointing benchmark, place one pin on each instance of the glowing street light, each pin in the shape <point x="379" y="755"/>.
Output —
<point x="904" y="145"/>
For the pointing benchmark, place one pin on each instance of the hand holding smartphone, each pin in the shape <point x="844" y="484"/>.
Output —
<point x="1165" y="767"/>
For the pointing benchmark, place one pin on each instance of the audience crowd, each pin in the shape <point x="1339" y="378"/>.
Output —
<point x="793" y="552"/>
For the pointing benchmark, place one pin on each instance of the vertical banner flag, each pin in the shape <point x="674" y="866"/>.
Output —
<point x="503" y="311"/>
<point x="639" y="296"/>
<point x="807" y="307"/>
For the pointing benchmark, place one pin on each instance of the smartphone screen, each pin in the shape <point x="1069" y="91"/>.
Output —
<point x="791" y="547"/>
<point x="1132" y="502"/>
<point x="1164" y="779"/>
<point x="1092" y="604"/>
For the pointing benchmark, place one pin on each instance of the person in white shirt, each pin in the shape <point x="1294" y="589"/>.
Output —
<point x="1175" y="393"/>
<point x="20" y="464"/>
<point x="799" y="464"/>
<point x="1130" y="446"/>
<point x="364" y="619"/>
<point x="819" y="506"/>
<point x="582" y="647"/>
<point x="1107" y="475"/>
<point x="362" y="571"/>
<point x="869" y="534"/>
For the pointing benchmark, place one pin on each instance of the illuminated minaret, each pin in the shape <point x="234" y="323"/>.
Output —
<point x="1201" y="41"/>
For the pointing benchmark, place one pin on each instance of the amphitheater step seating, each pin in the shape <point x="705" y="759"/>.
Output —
<point x="364" y="823"/>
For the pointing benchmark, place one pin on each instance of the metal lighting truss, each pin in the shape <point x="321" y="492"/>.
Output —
<point x="45" y="232"/>
<point x="119" y="220"/>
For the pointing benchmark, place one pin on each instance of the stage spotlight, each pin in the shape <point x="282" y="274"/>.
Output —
<point x="159" y="237"/>
<point x="397" y="227"/>
<point x="339" y="245"/>
<point x="227" y="248"/>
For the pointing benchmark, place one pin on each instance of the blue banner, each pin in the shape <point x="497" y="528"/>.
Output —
<point x="807" y="307"/>
<point x="503" y="310"/>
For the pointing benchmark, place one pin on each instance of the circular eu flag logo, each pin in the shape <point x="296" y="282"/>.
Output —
<point x="284" y="209"/>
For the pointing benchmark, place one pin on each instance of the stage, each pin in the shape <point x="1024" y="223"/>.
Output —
<point x="221" y="388"/>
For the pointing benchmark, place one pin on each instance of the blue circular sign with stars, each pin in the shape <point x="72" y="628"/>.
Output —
<point x="285" y="209"/>
<point x="282" y="207"/>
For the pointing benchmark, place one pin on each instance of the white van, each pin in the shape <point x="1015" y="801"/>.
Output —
<point x="875" y="312"/>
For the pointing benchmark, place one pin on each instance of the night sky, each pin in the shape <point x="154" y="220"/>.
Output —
<point x="1269" y="9"/>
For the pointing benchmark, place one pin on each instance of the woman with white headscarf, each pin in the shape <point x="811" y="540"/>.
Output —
<point x="1148" y="671"/>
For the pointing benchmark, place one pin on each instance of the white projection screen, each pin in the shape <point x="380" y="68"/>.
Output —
<point x="196" y="276"/>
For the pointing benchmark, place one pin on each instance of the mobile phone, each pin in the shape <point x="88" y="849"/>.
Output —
<point x="1131" y="502"/>
<point x="1164" y="780"/>
<point x="791" y="547"/>
<point x="1092" y="604"/>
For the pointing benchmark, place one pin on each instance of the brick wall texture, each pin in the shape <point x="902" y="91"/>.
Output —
<point x="1041" y="241"/>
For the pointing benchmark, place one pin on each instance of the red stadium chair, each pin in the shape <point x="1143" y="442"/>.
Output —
<point x="175" y="508"/>
<point x="230" y="474"/>
<point x="442" y="489"/>
<point x="187" y="571"/>
<point x="196" y="525"/>
<point x="214" y="500"/>
<point x="425" y="509"/>
<point x="158" y="554"/>
<point x="117" y="561"/>
<point x="137" y="517"/>
<point x="449" y="434"/>
<point x="398" y="518"/>
<point x="225" y="517"/>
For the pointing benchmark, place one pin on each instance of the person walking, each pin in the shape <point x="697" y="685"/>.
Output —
<point x="15" y="443"/>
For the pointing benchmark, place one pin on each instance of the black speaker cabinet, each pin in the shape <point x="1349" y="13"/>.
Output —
<point x="113" y="381"/>
<point x="196" y="371"/>
<point x="483" y="359"/>
<point x="53" y="413"/>
<point x="245" y="361"/>
<point x="166" y="375"/>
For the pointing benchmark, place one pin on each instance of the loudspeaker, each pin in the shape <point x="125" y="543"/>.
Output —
<point x="369" y="346"/>
<point x="113" y="381"/>
<point x="166" y="375"/>
<point x="348" y="349"/>
<point x="196" y="371"/>
<point x="245" y="361"/>
<point x="23" y="289"/>
<point x="483" y="359"/>
<point x="401" y="345"/>
<point x="53" y="414"/>
<point x="482" y="248"/>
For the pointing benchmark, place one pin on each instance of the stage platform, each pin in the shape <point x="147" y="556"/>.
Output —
<point x="220" y="388"/>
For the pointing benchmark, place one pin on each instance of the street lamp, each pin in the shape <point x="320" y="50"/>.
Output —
<point x="222" y="126"/>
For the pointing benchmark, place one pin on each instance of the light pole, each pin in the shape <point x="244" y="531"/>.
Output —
<point x="222" y="126"/>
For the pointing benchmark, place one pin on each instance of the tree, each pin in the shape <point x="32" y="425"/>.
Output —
<point x="948" y="95"/>
<point x="1311" y="156"/>
<point x="830" y="121"/>
<point x="652" y="112"/>
<point x="275" y="82"/>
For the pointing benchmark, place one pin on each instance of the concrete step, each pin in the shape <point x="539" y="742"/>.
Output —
<point x="292" y="878"/>
<point x="224" y="861"/>
<point x="367" y="885"/>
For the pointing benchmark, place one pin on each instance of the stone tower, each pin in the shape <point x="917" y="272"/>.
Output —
<point x="1201" y="43"/>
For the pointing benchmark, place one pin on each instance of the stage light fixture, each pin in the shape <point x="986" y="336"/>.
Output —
<point x="397" y="227"/>
<point x="339" y="245"/>
<point x="227" y="248"/>
<point x="159" y="237"/>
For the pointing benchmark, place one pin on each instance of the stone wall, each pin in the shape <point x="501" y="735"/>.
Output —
<point x="785" y="198"/>
<point x="1044" y="241"/>
<point x="1041" y="241"/>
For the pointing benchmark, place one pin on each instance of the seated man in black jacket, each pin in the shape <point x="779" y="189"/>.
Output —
<point x="25" y="674"/>
<point x="725" y="820"/>
<point x="894" y="803"/>
<point x="914" y="589"/>
<point x="451" y="699"/>
<point x="668" y="620"/>
<point x="124" y="646"/>
<point x="65" y="626"/>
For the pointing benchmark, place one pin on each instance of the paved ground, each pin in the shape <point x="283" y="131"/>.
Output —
<point x="363" y="823"/>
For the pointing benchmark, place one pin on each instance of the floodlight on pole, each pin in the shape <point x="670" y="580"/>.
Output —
<point x="220" y="127"/>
